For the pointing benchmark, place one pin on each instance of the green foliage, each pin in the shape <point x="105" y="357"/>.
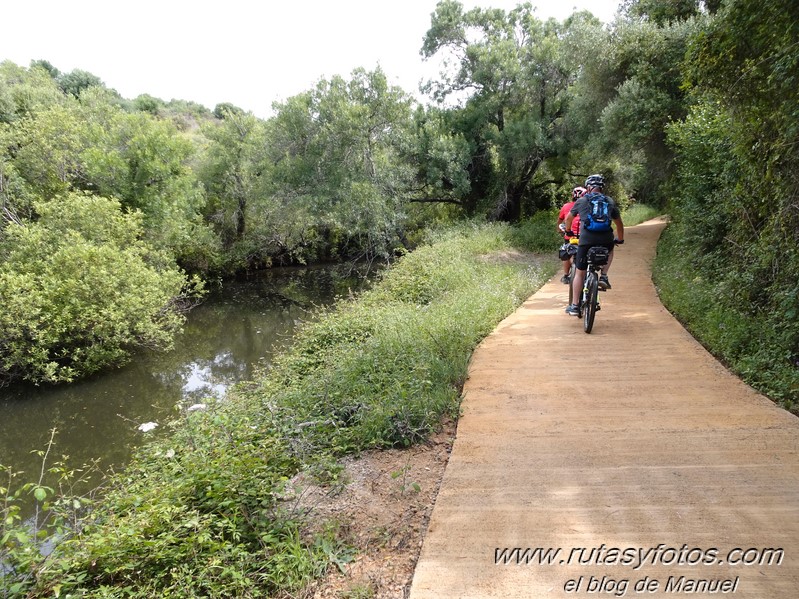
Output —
<point x="226" y="109"/>
<point x="26" y="540"/>
<point x="147" y="103"/>
<point x="442" y="155"/>
<point x="336" y="161"/>
<point x="74" y="82"/>
<point x="47" y="66"/>
<point x="24" y="92"/>
<point x="638" y="213"/>
<point x="211" y="526"/>
<point x="388" y="365"/>
<point x="93" y="145"/>
<point x="628" y="91"/>
<point x="759" y="344"/>
<point x="735" y="197"/>
<point x="748" y="54"/>
<point x="210" y="510"/>
<point x="230" y="173"/>
<point x="47" y="149"/>
<point x="513" y="76"/>
<point x="535" y="234"/>
<point x="660" y="12"/>
<point x="80" y="291"/>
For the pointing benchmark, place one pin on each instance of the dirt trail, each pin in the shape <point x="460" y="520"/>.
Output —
<point x="655" y="446"/>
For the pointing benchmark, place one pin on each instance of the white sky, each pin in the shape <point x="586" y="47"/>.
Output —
<point x="246" y="52"/>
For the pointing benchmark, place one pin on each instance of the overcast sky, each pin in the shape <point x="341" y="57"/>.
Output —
<point x="246" y="52"/>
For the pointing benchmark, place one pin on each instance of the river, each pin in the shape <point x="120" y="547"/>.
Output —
<point x="224" y="339"/>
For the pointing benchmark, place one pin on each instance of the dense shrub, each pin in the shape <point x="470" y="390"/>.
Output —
<point x="727" y="266"/>
<point x="80" y="291"/>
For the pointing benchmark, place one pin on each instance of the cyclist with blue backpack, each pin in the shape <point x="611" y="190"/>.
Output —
<point x="597" y="214"/>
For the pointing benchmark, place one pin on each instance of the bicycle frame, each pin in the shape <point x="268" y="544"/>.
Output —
<point x="589" y="301"/>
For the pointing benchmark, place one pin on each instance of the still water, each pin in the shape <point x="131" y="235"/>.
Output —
<point x="223" y="340"/>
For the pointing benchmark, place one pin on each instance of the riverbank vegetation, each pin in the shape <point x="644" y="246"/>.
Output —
<point x="209" y="510"/>
<point x="687" y="107"/>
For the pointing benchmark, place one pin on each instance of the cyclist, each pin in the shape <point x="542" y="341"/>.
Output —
<point x="594" y="184"/>
<point x="565" y="254"/>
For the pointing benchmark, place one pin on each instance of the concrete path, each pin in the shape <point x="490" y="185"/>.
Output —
<point x="630" y="455"/>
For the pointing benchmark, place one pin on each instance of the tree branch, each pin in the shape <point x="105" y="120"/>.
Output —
<point x="547" y="182"/>
<point x="436" y="200"/>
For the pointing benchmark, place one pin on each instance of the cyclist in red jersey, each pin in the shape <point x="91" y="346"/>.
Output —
<point x="565" y="254"/>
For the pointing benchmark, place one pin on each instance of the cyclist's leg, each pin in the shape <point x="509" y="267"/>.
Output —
<point x="581" y="261"/>
<point x="566" y="268"/>
<point x="566" y="259"/>
<point x="604" y="282"/>
<point x="572" y="270"/>
<point x="606" y="268"/>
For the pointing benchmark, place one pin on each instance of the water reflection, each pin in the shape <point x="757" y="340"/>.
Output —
<point x="222" y="342"/>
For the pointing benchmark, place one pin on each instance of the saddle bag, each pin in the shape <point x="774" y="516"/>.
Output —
<point x="598" y="255"/>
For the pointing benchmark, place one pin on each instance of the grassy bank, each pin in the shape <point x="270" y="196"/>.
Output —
<point x="709" y="297"/>
<point x="638" y="213"/>
<point x="205" y="511"/>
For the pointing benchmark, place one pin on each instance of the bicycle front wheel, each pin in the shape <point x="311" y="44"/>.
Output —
<point x="592" y="287"/>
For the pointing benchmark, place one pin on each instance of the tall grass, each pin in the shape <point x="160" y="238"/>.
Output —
<point x="381" y="370"/>
<point x="205" y="512"/>
<point x="638" y="213"/>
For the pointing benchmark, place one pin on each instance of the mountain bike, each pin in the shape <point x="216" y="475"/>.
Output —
<point x="589" y="301"/>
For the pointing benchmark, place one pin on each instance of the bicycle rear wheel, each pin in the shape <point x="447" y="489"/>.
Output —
<point x="592" y="286"/>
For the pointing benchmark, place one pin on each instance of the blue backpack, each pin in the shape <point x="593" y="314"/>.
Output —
<point x="599" y="215"/>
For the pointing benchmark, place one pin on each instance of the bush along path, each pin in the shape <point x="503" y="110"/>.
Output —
<point x="624" y="462"/>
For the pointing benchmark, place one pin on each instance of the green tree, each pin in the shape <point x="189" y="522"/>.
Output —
<point x="80" y="291"/>
<point x="661" y="12"/>
<point x="747" y="61"/>
<point x="230" y="172"/>
<point x="226" y="109"/>
<point x="513" y="77"/>
<point x="735" y="198"/>
<point x="91" y="144"/>
<point x="148" y="103"/>
<point x="74" y="82"/>
<point x="26" y="91"/>
<point x="339" y="154"/>
<point x="47" y="66"/>
<point x="442" y="156"/>
<point x="629" y="90"/>
<point x="47" y="148"/>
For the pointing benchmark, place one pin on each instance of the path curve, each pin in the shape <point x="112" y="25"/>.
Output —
<point x="664" y="447"/>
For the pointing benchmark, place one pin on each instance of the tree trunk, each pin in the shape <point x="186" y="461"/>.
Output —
<point x="509" y="208"/>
